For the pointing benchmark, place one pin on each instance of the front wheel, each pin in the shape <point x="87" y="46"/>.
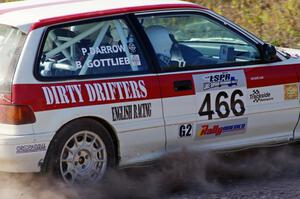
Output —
<point x="81" y="152"/>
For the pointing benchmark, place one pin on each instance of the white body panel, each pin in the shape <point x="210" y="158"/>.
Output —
<point x="271" y="118"/>
<point x="136" y="137"/>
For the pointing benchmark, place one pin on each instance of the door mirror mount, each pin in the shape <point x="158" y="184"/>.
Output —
<point x="269" y="52"/>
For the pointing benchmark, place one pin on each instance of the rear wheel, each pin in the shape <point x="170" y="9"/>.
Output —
<point x="81" y="152"/>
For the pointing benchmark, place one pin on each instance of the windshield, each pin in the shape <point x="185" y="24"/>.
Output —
<point x="11" y="43"/>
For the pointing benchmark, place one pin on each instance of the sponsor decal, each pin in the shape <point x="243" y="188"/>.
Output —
<point x="220" y="94"/>
<point x="291" y="92"/>
<point x="30" y="148"/>
<point x="103" y="50"/>
<point x="219" y="80"/>
<point x="117" y="57"/>
<point x="94" y="92"/>
<point x="215" y="129"/>
<point x="54" y="96"/>
<point x="223" y="105"/>
<point x="132" y="47"/>
<point x="96" y="63"/>
<point x="136" y="61"/>
<point x="257" y="78"/>
<point x="129" y="112"/>
<point x="258" y="96"/>
<point x="185" y="130"/>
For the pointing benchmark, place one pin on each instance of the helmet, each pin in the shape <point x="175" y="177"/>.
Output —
<point x="160" y="40"/>
<point x="166" y="47"/>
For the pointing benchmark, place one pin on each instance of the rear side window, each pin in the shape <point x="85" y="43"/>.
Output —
<point x="185" y="40"/>
<point x="11" y="43"/>
<point x="104" y="48"/>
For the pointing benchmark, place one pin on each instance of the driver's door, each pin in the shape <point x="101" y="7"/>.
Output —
<point x="224" y="95"/>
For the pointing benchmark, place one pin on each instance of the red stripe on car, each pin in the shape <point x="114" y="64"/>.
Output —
<point x="43" y="97"/>
<point x="271" y="75"/>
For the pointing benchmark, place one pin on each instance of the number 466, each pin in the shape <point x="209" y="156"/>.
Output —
<point x="220" y="102"/>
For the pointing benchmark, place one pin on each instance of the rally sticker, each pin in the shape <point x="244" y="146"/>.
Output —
<point x="291" y="92"/>
<point x="30" y="148"/>
<point x="111" y="56"/>
<point x="265" y="95"/>
<point x="221" y="94"/>
<point x="103" y="50"/>
<point x="132" y="111"/>
<point x="96" y="92"/>
<point x="219" y="80"/>
<point x="257" y="96"/>
<point x="136" y="61"/>
<point x="221" y="128"/>
<point x="131" y="47"/>
<point x="185" y="130"/>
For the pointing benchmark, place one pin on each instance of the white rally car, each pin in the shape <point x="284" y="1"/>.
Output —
<point x="87" y="85"/>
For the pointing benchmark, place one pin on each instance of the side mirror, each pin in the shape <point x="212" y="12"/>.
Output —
<point x="269" y="52"/>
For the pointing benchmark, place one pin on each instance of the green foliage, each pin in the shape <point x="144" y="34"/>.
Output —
<point x="275" y="21"/>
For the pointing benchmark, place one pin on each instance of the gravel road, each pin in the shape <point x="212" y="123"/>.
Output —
<point x="265" y="173"/>
<point x="258" y="174"/>
<point x="276" y="188"/>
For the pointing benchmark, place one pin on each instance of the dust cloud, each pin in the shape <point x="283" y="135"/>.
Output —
<point x="177" y="173"/>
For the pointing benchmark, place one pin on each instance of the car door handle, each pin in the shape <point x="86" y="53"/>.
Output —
<point x="183" y="85"/>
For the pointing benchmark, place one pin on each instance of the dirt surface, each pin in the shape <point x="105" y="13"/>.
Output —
<point x="257" y="174"/>
<point x="265" y="173"/>
<point x="276" y="188"/>
<point x="273" y="188"/>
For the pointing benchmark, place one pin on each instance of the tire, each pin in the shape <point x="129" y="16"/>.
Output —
<point x="81" y="152"/>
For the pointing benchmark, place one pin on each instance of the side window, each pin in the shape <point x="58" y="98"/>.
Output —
<point x="194" y="40"/>
<point x="99" y="48"/>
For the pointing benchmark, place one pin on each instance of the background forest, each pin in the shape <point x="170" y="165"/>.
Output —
<point x="275" y="21"/>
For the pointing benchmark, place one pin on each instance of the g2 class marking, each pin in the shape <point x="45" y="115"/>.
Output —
<point x="185" y="130"/>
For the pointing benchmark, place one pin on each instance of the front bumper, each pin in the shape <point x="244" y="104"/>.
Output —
<point x="25" y="153"/>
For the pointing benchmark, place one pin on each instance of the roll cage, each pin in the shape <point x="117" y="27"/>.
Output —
<point x="66" y="47"/>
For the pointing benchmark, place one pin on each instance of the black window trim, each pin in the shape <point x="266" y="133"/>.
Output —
<point x="127" y="19"/>
<point x="149" y="50"/>
<point x="207" y="13"/>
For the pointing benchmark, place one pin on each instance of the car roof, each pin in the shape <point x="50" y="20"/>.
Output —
<point x="33" y="14"/>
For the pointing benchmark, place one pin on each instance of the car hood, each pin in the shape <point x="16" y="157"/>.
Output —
<point x="294" y="53"/>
